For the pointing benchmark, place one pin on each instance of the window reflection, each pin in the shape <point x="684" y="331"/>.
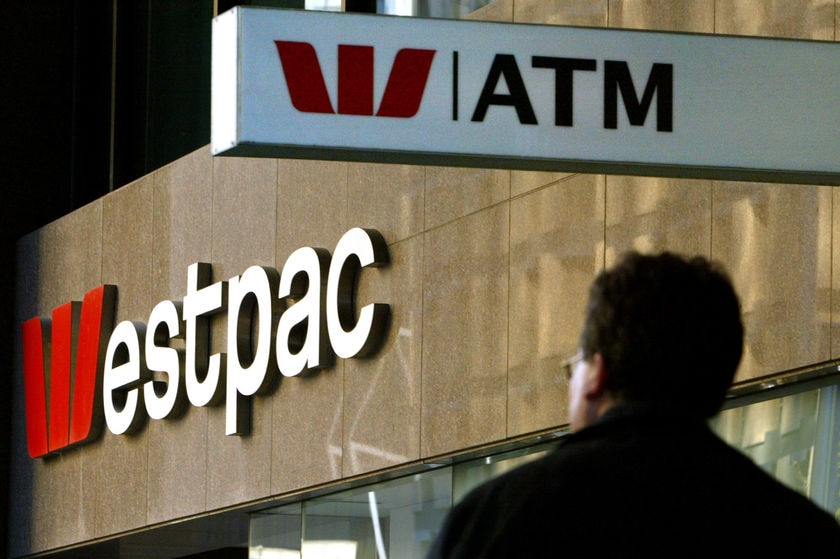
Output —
<point x="794" y="439"/>
<point x="396" y="519"/>
<point x="276" y="533"/>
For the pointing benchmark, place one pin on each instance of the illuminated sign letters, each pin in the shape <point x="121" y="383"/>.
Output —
<point x="282" y="323"/>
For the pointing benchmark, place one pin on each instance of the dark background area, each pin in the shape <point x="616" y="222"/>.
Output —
<point x="94" y="94"/>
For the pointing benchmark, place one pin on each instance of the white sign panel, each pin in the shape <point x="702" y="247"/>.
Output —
<point x="320" y="85"/>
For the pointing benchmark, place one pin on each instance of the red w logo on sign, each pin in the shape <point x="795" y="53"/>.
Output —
<point x="308" y="90"/>
<point x="73" y="412"/>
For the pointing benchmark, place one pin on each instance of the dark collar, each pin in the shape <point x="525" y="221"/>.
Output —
<point x="642" y="415"/>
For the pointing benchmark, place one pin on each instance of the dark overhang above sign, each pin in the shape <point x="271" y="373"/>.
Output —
<point x="318" y="85"/>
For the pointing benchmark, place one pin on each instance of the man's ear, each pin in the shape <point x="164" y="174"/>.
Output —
<point x="595" y="379"/>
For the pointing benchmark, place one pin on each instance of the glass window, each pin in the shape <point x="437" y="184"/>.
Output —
<point x="397" y="518"/>
<point x="795" y="438"/>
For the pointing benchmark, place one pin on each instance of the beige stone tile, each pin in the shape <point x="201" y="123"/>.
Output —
<point x="696" y="16"/>
<point x="655" y="214"/>
<point x="126" y="248"/>
<point x="795" y="19"/>
<point x="238" y="467"/>
<point x="63" y="260"/>
<point x="311" y="205"/>
<point x="588" y="13"/>
<point x="455" y="192"/>
<point x="771" y="238"/>
<point x="522" y="182"/>
<point x="496" y="10"/>
<point x="178" y="457"/>
<point x="835" y="274"/>
<point x="244" y="214"/>
<point x="556" y="250"/>
<point x="61" y="519"/>
<point x="305" y="446"/>
<point x="382" y="393"/>
<point x="386" y="197"/>
<point x="182" y="226"/>
<point x="465" y="297"/>
<point x="117" y="467"/>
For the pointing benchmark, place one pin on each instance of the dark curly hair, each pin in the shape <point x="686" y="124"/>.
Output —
<point x="669" y="330"/>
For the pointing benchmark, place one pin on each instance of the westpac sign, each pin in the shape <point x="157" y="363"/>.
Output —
<point x="405" y="90"/>
<point x="82" y="372"/>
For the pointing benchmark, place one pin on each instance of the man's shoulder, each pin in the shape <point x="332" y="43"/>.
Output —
<point x="668" y="481"/>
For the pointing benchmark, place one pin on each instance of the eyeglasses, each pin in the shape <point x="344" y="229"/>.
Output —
<point x="570" y="364"/>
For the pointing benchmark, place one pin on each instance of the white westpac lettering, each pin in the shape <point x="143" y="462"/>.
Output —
<point x="265" y="335"/>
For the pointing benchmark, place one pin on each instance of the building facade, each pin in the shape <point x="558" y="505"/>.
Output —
<point x="486" y="281"/>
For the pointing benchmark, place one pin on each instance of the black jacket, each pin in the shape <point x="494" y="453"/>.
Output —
<point x="637" y="484"/>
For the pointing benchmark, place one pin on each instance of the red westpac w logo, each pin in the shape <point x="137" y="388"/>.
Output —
<point x="308" y="90"/>
<point x="72" y="414"/>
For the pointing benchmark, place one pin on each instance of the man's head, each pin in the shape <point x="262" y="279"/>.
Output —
<point x="661" y="330"/>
